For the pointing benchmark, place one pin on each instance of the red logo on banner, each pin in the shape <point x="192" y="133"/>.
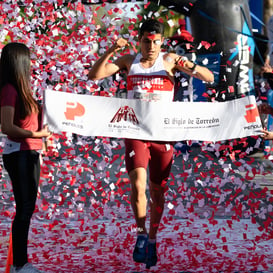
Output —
<point x="251" y="113"/>
<point x="74" y="110"/>
<point x="125" y="113"/>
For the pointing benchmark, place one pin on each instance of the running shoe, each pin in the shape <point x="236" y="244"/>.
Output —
<point x="27" y="268"/>
<point x="140" y="250"/>
<point x="151" y="259"/>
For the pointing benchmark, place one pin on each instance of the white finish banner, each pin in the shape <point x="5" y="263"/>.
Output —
<point x="163" y="121"/>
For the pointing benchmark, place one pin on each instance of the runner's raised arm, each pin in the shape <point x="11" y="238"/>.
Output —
<point x="102" y="68"/>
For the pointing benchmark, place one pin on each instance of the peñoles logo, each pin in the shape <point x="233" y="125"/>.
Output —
<point x="251" y="113"/>
<point x="125" y="113"/>
<point x="74" y="110"/>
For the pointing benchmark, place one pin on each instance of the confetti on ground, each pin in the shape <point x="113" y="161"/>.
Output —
<point x="218" y="215"/>
<point x="219" y="221"/>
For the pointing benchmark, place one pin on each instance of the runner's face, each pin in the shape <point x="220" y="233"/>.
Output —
<point x="150" y="45"/>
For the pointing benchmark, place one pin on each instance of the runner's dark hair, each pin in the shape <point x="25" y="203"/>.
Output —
<point x="151" y="26"/>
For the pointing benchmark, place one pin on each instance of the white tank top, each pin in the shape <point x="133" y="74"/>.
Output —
<point x="150" y="83"/>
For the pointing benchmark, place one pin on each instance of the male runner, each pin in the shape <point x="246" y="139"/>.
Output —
<point x="150" y="77"/>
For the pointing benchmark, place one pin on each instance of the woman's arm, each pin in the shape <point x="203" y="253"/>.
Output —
<point x="12" y="130"/>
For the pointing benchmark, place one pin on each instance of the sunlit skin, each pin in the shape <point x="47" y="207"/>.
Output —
<point x="267" y="135"/>
<point x="150" y="46"/>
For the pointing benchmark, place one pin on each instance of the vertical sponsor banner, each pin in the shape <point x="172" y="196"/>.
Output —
<point x="163" y="121"/>
<point x="227" y="26"/>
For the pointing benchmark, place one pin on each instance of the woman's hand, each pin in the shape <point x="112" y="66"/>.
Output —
<point x="266" y="69"/>
<point x="44" y="132"/>
<point x="267" y="135"/>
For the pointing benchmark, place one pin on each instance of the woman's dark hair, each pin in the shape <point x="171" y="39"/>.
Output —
<point x="151" y="25"/>
<point x="15" y="70"/>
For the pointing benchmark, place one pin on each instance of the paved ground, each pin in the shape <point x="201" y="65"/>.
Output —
<point x="218" y="215"/>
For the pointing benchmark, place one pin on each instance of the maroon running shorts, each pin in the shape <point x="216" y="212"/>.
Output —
<point x="159" y="156"/>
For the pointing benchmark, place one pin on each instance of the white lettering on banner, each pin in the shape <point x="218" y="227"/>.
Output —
<point x="148" y="82"/>
<point x="162" y="121"/>
<point x="244" y="53"/>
